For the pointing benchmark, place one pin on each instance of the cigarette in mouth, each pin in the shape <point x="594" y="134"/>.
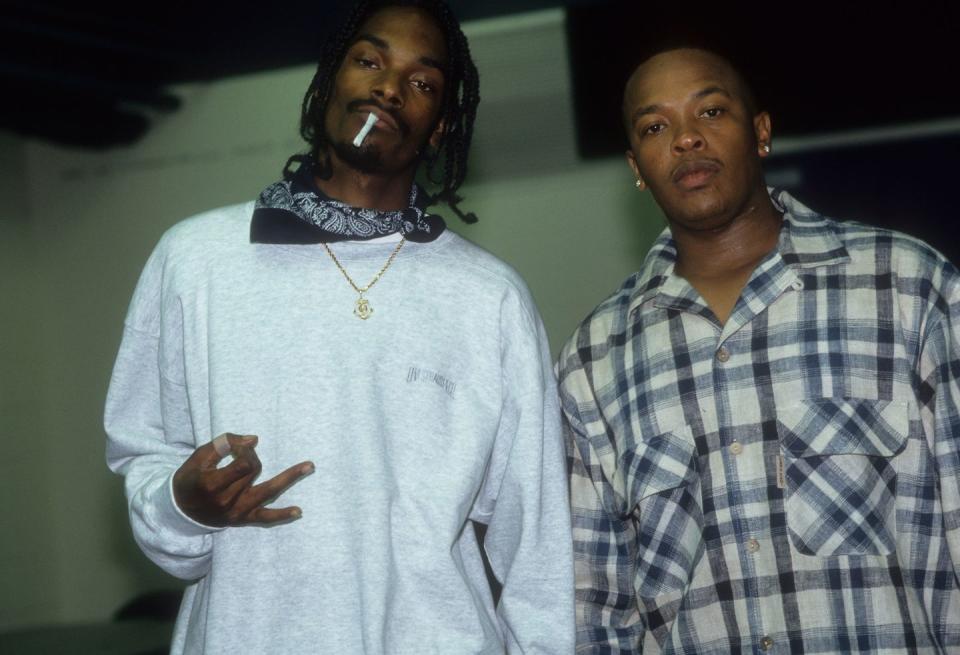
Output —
<point x="365" y="130"/>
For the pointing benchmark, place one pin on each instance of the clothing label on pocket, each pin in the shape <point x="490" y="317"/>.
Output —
<point x="781" y="473"/>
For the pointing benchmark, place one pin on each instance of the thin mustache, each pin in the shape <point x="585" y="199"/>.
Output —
<point x="684" y="166"/>
<point x="354" y="105"/>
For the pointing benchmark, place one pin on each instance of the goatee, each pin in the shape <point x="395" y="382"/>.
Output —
<point x="365" y="159"/>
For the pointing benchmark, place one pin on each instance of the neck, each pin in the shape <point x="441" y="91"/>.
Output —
<point x="379" y="191"/>
<point x="736" y="246"/>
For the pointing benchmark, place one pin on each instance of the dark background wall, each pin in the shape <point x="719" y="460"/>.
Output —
<point x="109" y="152"/>
<point x="881" y="78"/>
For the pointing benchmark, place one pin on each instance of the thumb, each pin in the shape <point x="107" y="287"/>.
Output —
<point x="228" y="443"/>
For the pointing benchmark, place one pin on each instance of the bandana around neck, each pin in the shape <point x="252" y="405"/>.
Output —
<point x="294" y="210"/>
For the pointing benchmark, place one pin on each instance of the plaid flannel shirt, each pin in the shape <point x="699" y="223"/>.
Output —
<point x="788" y="482"/>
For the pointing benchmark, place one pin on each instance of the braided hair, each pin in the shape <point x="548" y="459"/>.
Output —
<point x="458" y="109"/>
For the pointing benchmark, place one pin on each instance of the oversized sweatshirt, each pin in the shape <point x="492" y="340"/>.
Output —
<point x="438" y="409"/>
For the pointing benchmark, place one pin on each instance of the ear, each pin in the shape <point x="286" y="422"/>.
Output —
<point x="437" y="133"/>
<point x="632" y="163"/>
<point x="761" y="129"/>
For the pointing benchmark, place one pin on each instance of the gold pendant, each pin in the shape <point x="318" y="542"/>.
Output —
<point x="363" y="310"/>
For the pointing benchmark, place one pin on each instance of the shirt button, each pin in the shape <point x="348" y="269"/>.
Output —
<point x="753" y="546"/>
<point x="736" y="448"/>
<point x="723" y="354"/>
<point x="766" y="643"/>
<point x="797" y="285"/>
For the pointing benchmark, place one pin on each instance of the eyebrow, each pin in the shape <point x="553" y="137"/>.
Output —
<point x="383" y="45"/>
<point x="711" y="90"/>
<point x="702" y="93"/>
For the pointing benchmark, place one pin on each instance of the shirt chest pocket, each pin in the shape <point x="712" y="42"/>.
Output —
<point x="839" y="474"/>
<point x="661" y="473"/>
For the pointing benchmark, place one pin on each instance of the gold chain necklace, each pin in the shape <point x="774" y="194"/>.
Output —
<point x="362" y="309"/>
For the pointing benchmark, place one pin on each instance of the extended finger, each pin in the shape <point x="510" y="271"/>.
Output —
<point x="227" y="498"/>
<point x="269" y="490"/>
<point x="273" y="515"/>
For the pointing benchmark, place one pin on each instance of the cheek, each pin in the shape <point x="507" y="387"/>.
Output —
<point x="423" y="126"/>
<point x="331" y="118"/>
<point x="341" y="93"/>
<point x="336" y="113"/>
<point x="345" y="88"/>
<point x="653" y="163"/>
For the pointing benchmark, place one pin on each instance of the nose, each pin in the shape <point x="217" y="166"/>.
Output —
<point x="388" y="89"/>
<point x="688" y="139"/>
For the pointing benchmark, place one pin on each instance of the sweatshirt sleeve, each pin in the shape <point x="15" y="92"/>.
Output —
<point x="528" y="540"/>
<point x="149" y="432"/>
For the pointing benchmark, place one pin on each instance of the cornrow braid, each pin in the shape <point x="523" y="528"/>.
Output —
<point x="461" y="97"/>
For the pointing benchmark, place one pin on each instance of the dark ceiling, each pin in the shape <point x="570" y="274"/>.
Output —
<point x="818" y="67"/>
<point x="82" y="75"/>
<point x="90" y="74"/>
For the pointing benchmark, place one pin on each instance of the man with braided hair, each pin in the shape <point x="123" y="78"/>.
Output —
<point x="335" y="328"/>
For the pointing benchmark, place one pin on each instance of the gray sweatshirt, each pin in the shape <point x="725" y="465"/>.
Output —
<point x="438" y="409"/>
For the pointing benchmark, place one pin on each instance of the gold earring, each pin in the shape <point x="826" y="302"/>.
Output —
<point x="638" y="183"/>
<point x="766" y="147"/>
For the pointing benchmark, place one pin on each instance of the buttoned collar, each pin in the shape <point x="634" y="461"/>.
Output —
<point x="807" y="239"/>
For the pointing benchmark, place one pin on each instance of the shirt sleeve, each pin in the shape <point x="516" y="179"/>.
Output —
<point x="605" y="555"/>
<point x="524" y="502"/>
<point x="149" y="434"/>
<point x="940" y="410"/>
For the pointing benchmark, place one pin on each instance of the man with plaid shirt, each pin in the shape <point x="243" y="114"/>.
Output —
<point x="764" y="421"/>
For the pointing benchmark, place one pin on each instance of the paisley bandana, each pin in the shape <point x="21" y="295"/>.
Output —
<point x="294" y="210"/>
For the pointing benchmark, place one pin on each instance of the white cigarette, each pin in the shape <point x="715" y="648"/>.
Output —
<point x="365" y="130"/>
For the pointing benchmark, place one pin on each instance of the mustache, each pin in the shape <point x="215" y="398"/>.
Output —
<point x="692" y="165"/>
<point x="357" y="105"/>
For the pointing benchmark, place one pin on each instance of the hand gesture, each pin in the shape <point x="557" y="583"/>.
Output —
<point x="226" y="496"/>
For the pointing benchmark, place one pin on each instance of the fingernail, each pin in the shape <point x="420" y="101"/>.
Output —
<point x="297" y="513"/>
<point x="308" y="469"/>
<point x="250" y="440"/>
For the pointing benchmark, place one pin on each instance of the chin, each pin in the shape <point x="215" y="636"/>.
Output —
<point x="707" y="214"/>
<point x="366" y="158"/>
<point x="704" y="221"/>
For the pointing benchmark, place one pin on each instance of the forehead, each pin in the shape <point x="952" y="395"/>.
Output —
<point x="675" y="75"/>
<point x="407" y="28"/>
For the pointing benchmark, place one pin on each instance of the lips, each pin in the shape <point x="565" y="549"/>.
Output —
<point x="384" y="119"/>
<point x="691" y="175"/>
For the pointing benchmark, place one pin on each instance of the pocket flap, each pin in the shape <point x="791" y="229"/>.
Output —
<point x="663" y="462"/>
<point x="844" y="426"/>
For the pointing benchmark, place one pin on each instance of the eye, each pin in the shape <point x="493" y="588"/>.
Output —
<point x="713" y="112"/>
<point x="424" y="86"/>
<point x="365" y="62"/>
<point x="653" y="128"/>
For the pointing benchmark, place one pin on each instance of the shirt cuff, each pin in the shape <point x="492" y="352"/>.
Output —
<point x="176" y="519"/>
